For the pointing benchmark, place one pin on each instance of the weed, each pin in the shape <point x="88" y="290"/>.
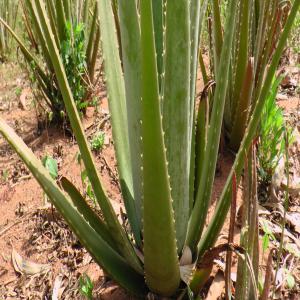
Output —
<point x="73" y="56"/>
<point x="97" y="141"/>
<point x="272" y="143"/>
<point x="86" y="286"/>
<point x="5" y="175"/>
<point x="51" y="165"/>
<point x="268" y="235"/>
<point x="86" y="184"/>
<point x="18" y="91"/>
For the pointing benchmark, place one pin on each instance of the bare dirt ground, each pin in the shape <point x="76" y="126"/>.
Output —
<point x="29" y="227"/>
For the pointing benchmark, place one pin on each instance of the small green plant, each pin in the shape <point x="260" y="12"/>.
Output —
<point x="98" y="141"/>
<point x="86" y="286"/>
<point x="51" y="165"/>
<point x="5" y="175"/>
<point x="289" y="278"/>
<point x="18" y="91"/>
<point x="86" y="184"/>
<point x="267" y="237"/>
<point x="272" y="143"/>
<point x="74" y="59"/>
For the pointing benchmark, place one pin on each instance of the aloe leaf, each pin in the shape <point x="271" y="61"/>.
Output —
<point x="118" y="110"/>
<point x="161" y="262"/>
<point x="158" y="21"/>
<point x="270" y="43"/>
<point x="176" y="110"/>
<point x="131" y="54"/>
<point x="67" y="10"/>
<point x="112" y="262"/>
<point x="85" y="16"/>
<point x="217" y="34"/>
<point x="91" y="44"/>
<point x="38" y="29"/>
<point x="61" y="20"/>
<point x="240" y="66"/>
<point x="244" y="107"/>
<point x="198" y="216"/>
<point x="52" y="18"/>
<point x="197" y="14"/>
<point x="109" y="215"/>
<point x="202" y="126"/>
<point x="214" y="227"/>
<point x="85" y="210"/>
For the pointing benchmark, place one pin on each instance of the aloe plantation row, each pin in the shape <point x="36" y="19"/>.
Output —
<point x="166" y="139"/>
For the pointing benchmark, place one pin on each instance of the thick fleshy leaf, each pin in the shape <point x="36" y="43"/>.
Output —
<point x="118" y="110"/>
<point x="176" y="111"/>
<point x="160" y="254"/>
<point x="131" y="54"/>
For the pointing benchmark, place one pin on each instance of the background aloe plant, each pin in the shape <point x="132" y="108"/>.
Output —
<point x="75" y="27"/>
<point x="9" y="13"/>
<point x="259" y="26"/>
<point x="161" y="142"/>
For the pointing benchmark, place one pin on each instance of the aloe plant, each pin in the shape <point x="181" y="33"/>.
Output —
<point x="75" y="27"/>
<point x="158" y="138"/>
<point x="259" y="26"/>
<point x="9" y="12"/>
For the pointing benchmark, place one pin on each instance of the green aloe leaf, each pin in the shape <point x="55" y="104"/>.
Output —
<point x="117" y="106"/>
<point x="158" y="22"/>
<point x="131" y="54"/>
<point x="176" y="111"/>
<point x="198" y="216"/>
<point x="217" y="34"/>
<point x="160" y="254"/>
<point x="86" y="211"/>
<point x="51" y="165"/>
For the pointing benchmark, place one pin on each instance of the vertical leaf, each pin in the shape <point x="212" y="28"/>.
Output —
<point x="161" y="262"/>
<point x="131" y="52"/>
<point x="117" y="107"/>
<point x="176" y="110"/>
<point x="157" y="10"/>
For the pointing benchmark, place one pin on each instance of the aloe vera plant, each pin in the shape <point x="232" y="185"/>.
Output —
<point x="259" y="26"/>
<point x="75" y="27"/>
<point x="158" y="138"/>
<point x="9" y="12"/>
